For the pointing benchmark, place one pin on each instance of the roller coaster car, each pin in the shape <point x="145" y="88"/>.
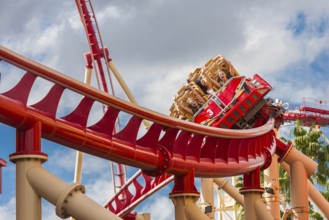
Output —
<point x="239" y="103"/>
<point x="235" y="104"/>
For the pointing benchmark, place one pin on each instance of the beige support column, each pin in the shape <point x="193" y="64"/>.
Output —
<point x="271" y="182"/>
<point x="261" y="210"/>
<point x="193" y="212"/>
<point x="78" y="167"/>
<point x="229" y="189"/>
<point x="68" y="199"/>
<point x="295" y="155"/>
<point x="179" y="203"/>
<point x="223" y="184"/>
<point x="254" y="206"/>
<point x="220" y="204"/>
<point x="122" y="83"/>
<point x="185" y="207"/>
<point x="250" y="197"/>
<point x="28" y="202"/>
<point x="79" y="155"/>
<point x="125" y="88"/>
<point x="207" y="196"/>
<point x="87" y="79"/>
<point x="301" y="168"/>
<point x="272" y="186"/>
<point x="317" y="198"/>
<point x="299" y="195"/>
<point x="184" y="196"/>
<point x="143" y="216"/>
<point x="314" y="195"/>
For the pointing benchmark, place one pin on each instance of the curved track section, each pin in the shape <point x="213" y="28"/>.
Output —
<point x="169" y="146"/>
<point x="138" y="188"/>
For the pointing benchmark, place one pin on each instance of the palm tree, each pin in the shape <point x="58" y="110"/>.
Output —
<point x="310" y="142"/>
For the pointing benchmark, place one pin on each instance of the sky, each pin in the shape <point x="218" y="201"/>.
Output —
<point x="155" y="45"/>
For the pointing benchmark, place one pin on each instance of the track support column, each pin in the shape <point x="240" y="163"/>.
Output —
<point x="299" y="191"/>
<point x="301" y="168"/>
<point x="28" y="154"/>
<point x="272" y="185"/>
<point x="254" y="206"/>
<point x="271" y="182"/>
<point x="207" y="196"/>
<point x="184" y="195"/>
<point x="69" y="199"/>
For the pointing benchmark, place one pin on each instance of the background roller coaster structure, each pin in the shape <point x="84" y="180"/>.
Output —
<point x="171" y="149"/>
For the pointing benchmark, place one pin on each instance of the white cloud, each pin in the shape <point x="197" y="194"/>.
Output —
<point x="160" y="208"/>
<point x="155" y="44"/>
<point x="111" y="12"/>
<point x="49" y="211"/>
<point x="7" y="210"/>
<point x="159" y="92"/>
<point x="64" y="161"/>
<point x="100" y="190"/>
<point x="74" y="21"/>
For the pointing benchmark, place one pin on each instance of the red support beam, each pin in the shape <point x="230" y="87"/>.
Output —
<point x="184" y="184"/>
<point x="251" y="181"/>
<point x="143" y="153"/>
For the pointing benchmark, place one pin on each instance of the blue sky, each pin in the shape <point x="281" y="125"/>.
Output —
<point x="155" y="45"/>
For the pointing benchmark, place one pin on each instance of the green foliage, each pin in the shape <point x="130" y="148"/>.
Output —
<point x="310" y="142"/>
<point x="315" y="215"/>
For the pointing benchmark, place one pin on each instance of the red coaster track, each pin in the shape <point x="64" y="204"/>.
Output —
<point x="169" y="146"/>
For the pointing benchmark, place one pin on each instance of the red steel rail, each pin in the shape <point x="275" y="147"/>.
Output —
<point x="181" y="139"/>
<point x="312" y="112"/>
<point x="97" y="54"/>
<point x="169" y="146"/>
<point x="97" y="51"/>
<point x="307" y="119"/>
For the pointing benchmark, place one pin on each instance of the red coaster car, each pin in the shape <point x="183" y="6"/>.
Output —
<point x="235" y="103"/>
